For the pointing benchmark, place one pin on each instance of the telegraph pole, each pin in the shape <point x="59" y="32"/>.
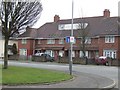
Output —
<point x="71" y="44"/>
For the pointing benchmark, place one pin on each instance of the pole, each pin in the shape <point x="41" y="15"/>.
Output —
<point x="71" y="44"/>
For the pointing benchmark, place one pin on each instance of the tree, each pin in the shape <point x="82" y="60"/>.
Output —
<point x="14" y="49"/>
<point x="15" y="17"/>
<point x="83" y="34"/>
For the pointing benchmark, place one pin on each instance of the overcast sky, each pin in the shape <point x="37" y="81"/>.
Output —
<point x="85" y="8"/>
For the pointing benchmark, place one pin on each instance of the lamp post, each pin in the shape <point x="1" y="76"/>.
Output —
<point x="71" y="44"/>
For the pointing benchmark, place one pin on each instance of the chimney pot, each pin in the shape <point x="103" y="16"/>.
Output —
<point x="56" y="18"/>
<point x="106" y="13"/>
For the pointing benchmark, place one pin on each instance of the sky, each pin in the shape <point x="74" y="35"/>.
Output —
<point x="82" y="8"/>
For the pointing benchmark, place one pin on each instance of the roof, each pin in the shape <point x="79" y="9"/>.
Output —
<point x="97" y="26"/>
<point x="30" y="33"/>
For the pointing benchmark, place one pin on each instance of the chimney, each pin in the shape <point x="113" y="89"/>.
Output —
<point x="106" y="13"/>
<point x="56" y="18"/>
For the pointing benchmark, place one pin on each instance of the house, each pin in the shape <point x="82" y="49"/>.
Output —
<point x="103" y="38"/>
<point x="10" y="43"/>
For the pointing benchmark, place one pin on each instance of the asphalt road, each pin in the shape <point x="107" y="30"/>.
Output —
<point x="105" y="71"/>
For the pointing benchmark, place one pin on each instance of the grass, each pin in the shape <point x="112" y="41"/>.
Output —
<point x="22" y="75"/>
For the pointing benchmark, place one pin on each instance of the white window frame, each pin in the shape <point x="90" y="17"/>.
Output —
<point x="24" y="41"/>
<point x="61" y="41"/>
<point x="61" y="53"/>
<point x="51" y="41"/>
<point x="73" y="53"/>
<point x="86" y="53"/>
<point x="50" y="52"/>
<point x="87" y="40"/>
<point x="110" y="53"/>
<point x="39" y="41"/>
<point x="23" y="52"/>
<point x="76" y="26"/>
<point x="109" y="39"/>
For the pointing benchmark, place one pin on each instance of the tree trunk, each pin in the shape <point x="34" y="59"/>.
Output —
<point x="6" y="54"/>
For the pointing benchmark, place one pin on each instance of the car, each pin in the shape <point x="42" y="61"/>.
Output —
<point x="38" y="54"/>
<point x="48" y="57"/>
<point x="102" y="60"/>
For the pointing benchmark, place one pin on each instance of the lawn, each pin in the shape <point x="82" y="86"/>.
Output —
<point x="22" y="75"/>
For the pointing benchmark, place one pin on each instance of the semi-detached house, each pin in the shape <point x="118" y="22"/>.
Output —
<point x="103" y="38"/>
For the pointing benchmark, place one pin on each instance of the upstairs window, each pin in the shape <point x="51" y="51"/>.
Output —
<point x="109" y="39"/>
<point x="87" y="40"/>
<point x="76" y="26"/>
<point x="50" y="41"/>
<point x="39" y="41"/>
<point x="24" y="41"/>
<point x="61" y="41"/>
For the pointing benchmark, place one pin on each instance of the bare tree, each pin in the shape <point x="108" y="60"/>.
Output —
<point x="15" y="17"/>
<point x="83" y="35"/>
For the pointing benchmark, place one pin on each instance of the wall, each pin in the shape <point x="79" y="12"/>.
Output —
<point x="28" y="46"/>
<point x="109" y="46"/>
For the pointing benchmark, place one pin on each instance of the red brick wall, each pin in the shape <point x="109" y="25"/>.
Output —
<point x="118" y="41"/>
<point x="103" y="45"/>
<point x="98" y="43"/>
<point x="28" y="46"/>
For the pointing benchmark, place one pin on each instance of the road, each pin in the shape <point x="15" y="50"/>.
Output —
<point x="105" y="71"/>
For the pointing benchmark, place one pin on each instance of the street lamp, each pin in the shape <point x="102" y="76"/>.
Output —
<point x="71" y="44"/>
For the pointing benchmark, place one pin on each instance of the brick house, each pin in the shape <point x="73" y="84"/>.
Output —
<point x="103" y="38"/>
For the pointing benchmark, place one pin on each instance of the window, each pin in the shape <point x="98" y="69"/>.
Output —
<point x="76" y="26"/>
<point x="24" y="41"/>
<point x="39" y="41"/>
<point x="86" y="53"/>
<point x="61" y="53"/>
<point x="109" y="39"/>
<point x="50" y="41"/>
<point x="23" y="52"/>
<point x="73" y="53"/>
<point x="50" y="52"/>
<point x="61" y="41"/>
<point x="87" y="40"/>
<point x="110" y="53"/>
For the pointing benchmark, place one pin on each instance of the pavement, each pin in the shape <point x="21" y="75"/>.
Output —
<point x="80" y="80"/>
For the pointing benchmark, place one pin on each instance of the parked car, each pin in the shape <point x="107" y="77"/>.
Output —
<point x="48" y="57"/>
<point x="38" y="54"/>
<point x="102" y="60"/>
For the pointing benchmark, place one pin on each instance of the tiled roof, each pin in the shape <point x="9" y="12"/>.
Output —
<point x="30" y="33"/>
<point x="96" y="25"/>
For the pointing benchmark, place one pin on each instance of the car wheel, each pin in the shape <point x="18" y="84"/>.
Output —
<point x="107" y="64"/>
<point x="97" y="64"/>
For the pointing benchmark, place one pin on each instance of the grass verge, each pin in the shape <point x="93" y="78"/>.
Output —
<point x="22" y="76"/>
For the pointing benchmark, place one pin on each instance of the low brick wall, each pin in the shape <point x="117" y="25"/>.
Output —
<point x="13" y="57"/>
<point x="38" y="58"/>
<point x="75" y="60"/>
<point x="61" y="60"/>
